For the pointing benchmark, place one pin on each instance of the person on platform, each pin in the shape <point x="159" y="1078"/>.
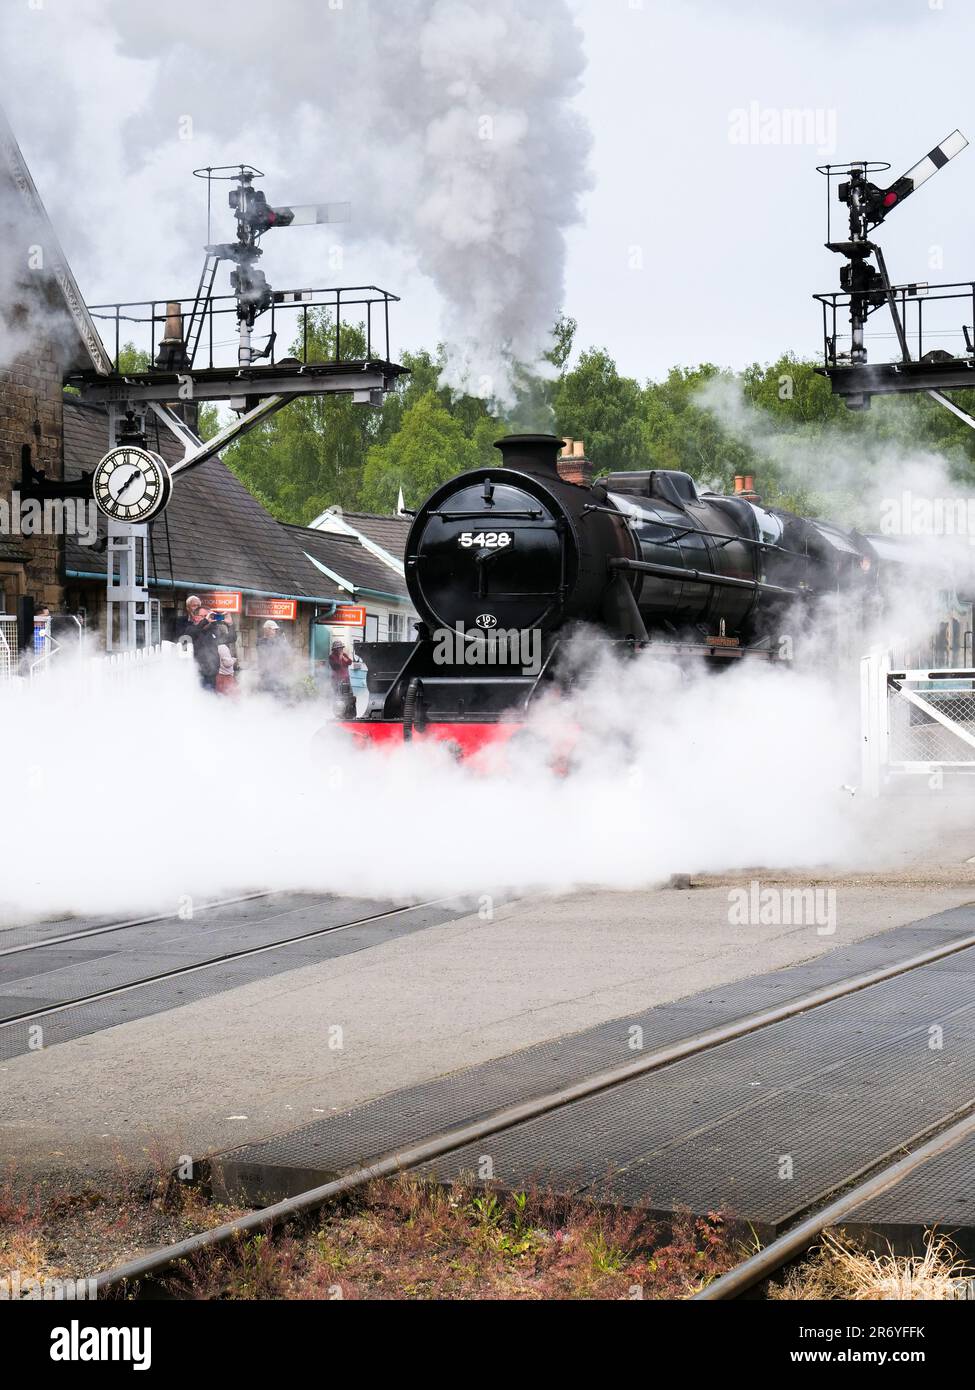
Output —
<point x="339" y="662"/>
<point x="226" y="682"/>
<point x="273" y="661"/>
<point x="203" y="630"/>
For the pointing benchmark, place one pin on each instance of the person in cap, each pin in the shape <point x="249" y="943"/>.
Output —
<point x="339" y="662"/>
<point x="273" y="660"/>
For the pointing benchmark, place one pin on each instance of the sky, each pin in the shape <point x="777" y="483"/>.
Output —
<point x="623" y="183"/>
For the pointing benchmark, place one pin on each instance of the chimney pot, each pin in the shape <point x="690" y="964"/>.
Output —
<point x="174" y="323"/>
<point x="739" y="483"/>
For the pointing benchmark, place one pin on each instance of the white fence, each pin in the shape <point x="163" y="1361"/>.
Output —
<point x="114" y="666"/>
<point x="915" y="723"/>
<point x="144" y="662"/>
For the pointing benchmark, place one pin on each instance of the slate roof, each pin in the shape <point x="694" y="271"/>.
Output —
<point x="388" y="531"/>
<point x="220" y="535"/>
<point x="347" y="557"/>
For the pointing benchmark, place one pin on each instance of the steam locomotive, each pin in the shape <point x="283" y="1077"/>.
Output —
<point x="504" y="564"/>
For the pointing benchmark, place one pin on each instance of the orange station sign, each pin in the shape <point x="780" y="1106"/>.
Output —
<point x="223" y="602"/>
<point x="284" y="608"/>
<point x="347" y="615"/>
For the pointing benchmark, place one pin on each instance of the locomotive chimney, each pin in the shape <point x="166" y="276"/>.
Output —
<point x="533" y="453"/>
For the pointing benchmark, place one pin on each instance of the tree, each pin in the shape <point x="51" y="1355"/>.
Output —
<point x="311" y="454"/>
<point x="429" y="447"/>
<point x="681" y="430"/>
<point x="592" y="402"/>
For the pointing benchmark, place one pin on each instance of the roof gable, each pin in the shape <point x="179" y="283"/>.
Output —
<point x="384" y="536"/>
<point x="214" y="530"/>
<point x="352" y="562"/>
<point x="55" y="267"/>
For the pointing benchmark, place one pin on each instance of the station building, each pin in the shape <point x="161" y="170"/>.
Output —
<point x="214" y="539"/>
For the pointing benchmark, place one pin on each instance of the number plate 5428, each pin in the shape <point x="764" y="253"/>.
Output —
<point x="485" y="540"/>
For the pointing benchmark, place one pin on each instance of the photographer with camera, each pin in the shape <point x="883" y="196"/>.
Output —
<point x="203" y="628"/>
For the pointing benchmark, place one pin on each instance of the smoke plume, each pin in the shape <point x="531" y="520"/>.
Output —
<point x="449" y="125"/>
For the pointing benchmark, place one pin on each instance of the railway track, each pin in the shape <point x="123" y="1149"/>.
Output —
<point x="31" y="1015"/>
<point x="106" y="927"/>
<point x="843" y="1196"/>
<point x="798" y="1238"/>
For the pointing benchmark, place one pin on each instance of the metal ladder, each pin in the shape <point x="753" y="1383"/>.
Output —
<point x="198" y="316"/>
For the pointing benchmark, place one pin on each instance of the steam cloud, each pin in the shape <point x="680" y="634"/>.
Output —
<point x="448" y="124"/>
<point x="715" y="773"/>
<point x="870" y="484"/>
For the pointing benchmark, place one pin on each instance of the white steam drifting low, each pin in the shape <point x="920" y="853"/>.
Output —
<point x="671" y="774"/>
<point x="448" y="124"/>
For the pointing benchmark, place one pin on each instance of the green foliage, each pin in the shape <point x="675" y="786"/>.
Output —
<point x="311" y="455"/>
<point x="132" y="359"/>
<point x="208" y="421"/>
<point x="603" y="409"/>
<point x="709" y="422"/>
<point x="681" y="433"/>
<point x="429" y="447"/>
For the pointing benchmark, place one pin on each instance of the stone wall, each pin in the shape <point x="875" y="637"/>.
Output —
<point x="31" y="413"/>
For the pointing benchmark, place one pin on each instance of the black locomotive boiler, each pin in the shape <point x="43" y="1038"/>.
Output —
<point x="504" y="564"/>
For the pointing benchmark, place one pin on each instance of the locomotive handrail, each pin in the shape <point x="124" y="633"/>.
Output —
<point x="465" y="516"/>
<point x="705" y="577"/>
<point x="694" y="531"/>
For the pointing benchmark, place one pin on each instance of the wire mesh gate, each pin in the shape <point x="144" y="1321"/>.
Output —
<point x="9" y="646"/>
<point x="915" y="723"/>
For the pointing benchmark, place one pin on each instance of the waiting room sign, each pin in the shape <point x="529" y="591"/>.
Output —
<point x="284" y="608"/>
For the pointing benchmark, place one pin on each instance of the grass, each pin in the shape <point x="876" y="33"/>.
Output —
<point x="841" y="1268"/>
<point x="401" y="1239"/>
<point x="55" y="1228"/>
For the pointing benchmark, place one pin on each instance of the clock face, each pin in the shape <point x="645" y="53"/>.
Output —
<point x="131" y="484"/>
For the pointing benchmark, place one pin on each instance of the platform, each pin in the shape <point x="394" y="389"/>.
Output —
<point x="761" y="1127"/>
<point x="238" y="1053"/>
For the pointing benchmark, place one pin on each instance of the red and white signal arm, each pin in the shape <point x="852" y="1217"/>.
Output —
<point x="347" y="615"/>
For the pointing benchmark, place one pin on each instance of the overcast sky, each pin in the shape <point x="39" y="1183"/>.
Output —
<point x="694" y="244"/>
<point x="733" y="233"/>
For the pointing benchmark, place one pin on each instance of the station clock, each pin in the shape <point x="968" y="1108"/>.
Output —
<point x="132" y="484"/>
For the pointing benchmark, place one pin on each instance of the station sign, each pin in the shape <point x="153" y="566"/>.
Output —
<point x="226" y="601"/>
<point x="347" y="615"/>
<point x="284" y="608"/>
